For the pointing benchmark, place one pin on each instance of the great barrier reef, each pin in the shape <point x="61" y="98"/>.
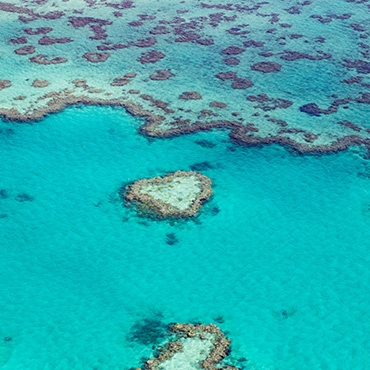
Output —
<point x="184" y="185"/>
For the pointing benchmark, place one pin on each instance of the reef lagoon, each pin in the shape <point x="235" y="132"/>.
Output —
<point x="268" y="100"/>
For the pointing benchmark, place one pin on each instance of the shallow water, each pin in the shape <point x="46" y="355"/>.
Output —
<point x="277" y="28"/>
<point x="279" y="255"/>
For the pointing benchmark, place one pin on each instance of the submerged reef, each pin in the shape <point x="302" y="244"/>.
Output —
<point x="188" y="64"/>
<point x="148" y="331"/>
<point x="205" y="344"/>
<point x="176" y="195"/>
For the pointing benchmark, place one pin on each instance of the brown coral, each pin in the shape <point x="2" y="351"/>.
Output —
<point x="120" y="81"/>
<point x="217" y="104"/>
<point x="190" y="95"/>
<point x="4" y="84"/>
<point x="158" y="208"/>
<point x="233" y="50"/>
<point x="266" y="67"/>
<point x="43" y="59"/>
<point x="94" y="57"/>
<point x="25" y="50"/>
<point x="40" y="83"/>
<point x="161" y="75"/>
<point x="241" y="83"/>
<point x="151" y="57"/>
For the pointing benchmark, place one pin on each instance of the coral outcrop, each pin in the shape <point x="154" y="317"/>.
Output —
<point x="218" y="347"/>
<point x="176" y="195"/>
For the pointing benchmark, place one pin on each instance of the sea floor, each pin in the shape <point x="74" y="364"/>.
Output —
<point x="286" y="71"/>
<point x="278" y="258"/>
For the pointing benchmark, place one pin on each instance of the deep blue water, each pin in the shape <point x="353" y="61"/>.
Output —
<point x="281" y="252"/>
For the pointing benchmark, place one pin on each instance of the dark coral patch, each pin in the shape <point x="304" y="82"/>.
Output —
<point x="80" y="82"/>
<point x="38" y="31"/>
<point x="151" y="57"/>
<point x="363" y="99"/>
<point x="205" y="42"/>
<point x="19" y="40"/>
<point x="361" y="66"/>
<point x="105" y="47"/>
<point x="311" y="109"/>
<point x="148" y="331"/>
<point x="43" y="59"/>
<point x="84" y="21"/>
<point x="159" y="30"/>
<point x="232" y="61"/>
<point x="226" y="75"/>
<point x="99" y="32"/>
<point x="241" y="83"/>
<point x="145" y="43"/>
<point x="352" y="80"/>
<point x="187" y="37"/>
<point x="256" y="44"/>
<point x="266" y="67"/>
<point x="3" y="194"/>
<point x="266" y="103"/>
<point x="295" y="36"/>
<point x="201" y="166"/>
<point x="46" y="40"/>
<point x="25" y="50"/>
<point x="135" y="24"/>
<point x="233" y="50"/>
<point x="95" y="57"/>
<point x="190" y="95"/>
<point x="130" y="75"/>
<point x="24" y="198"/>
<point x="266" y="54"/>
<point x="161" y="75"/>
<point x="40" y="83"/>
<point x="350" y="125"/>
<point x="120" y="81"/>
<point x="294" y="55"/>
<point x="205" y="144"/>
<point x="171" y="239"/>
<point x="217" y="104"/>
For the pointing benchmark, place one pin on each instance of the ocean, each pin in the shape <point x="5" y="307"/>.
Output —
<point x="278" y="258"/>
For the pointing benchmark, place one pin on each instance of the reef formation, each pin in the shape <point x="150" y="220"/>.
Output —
<point x="211" y="353"/>
<point x="262" y="70"/>
<point x="178" y="194"/>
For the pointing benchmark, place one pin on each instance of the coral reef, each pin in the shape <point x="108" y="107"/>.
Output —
<point x="190" y="95"/>
<point x="111" y="45"/>
<point x="217" y="104"/>
<point x="219" y="348"/>
<point x="161" y="75"/>
<point x="43" y="59"/>
<point x="4" y="84"/>
<point x="266" y="103"/>
<point x="148" y="331"/>
<point x="46" y="40"/>
<point x="25" y="50"/>
<point x="40" y="83"/>
<point x="151" y="57"/>
<point x="120" y="81"/>
<point x="95" y="57"/>
<point x="176" y="195"/>
<point x="266" y="67"/>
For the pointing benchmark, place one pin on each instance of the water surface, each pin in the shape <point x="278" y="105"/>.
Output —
<point x="280" y="252"/>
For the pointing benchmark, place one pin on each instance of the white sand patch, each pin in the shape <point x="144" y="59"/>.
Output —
<point x="194" y="351"/>
<point x="180" y="192"/>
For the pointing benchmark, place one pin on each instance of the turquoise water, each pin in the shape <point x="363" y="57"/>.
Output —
<point x="296" y="28"/>
<point x="281" y="252"/>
